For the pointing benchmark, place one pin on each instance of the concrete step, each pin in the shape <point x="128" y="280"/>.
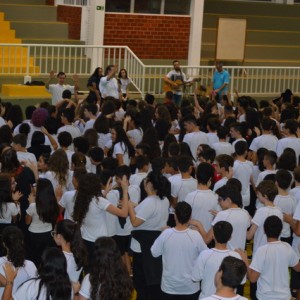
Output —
<point x="28" y="2"/>
<point x="4" y="25"/>
<point x="10" y="40"/>
<point x="251" y="8"/>
<point x="53" y="41"/>
<point x="32" y="29"/>
<point x="263" y="37"/>
<point x="256" y="22"/>
<point x="18" y="69"/>
<point x="57" y="51"/>
<point x="267" y="52"/>
<point x="16" y="12"/>
<point x="17" y="90"/>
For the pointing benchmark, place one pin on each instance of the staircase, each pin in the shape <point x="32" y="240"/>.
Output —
<point x="30" y="22"/>
<point x="273" y="31"/>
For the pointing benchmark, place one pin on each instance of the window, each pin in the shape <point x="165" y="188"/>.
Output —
<point x="177" y="7"/>
<point x="118" y="6"/>
<point x="147" y="7"/>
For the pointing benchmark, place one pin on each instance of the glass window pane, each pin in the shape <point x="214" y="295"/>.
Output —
<point x="177" y="7"/>
<point x="147" y="7"/>
<point x="118" y="6"/>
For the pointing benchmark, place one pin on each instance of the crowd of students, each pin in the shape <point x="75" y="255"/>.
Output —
<point x="102" y="195"/>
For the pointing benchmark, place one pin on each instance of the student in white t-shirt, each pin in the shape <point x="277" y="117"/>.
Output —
<point x="151" y="214"/>
<point x="242" y="170"/>
<point x="269" y="162"/>
<point x="65" y="141"/>
<point x="41" y="215"/>
<point x="285" y="201"/>
<point x="19" y="145"/>
<point x="90" y="112"/>
<point x="236" y="132"/>
<point x="224" y="167"/>
<point x="209" y="261"/>
<point x="270" y="264"/>
<point x="222" y="147"/>
<point x="194" y="137"/>
<point x="13" y="241"/>
<point x="121" y="148"/>
<point x="212" y="125"/>
<point x="67" y="200"/>
<point x="266" y="193"/>
<point x="228" y="278"/>
<point x="179" y="247"/>
<point x="132" y="127"/>
<point x="142" y="165"/>
<point x="203" y="200"/>
<point x="90" y="209"/>
<point x="106" y="260"/>
<point x="52" y="279"/>
<point x="67" y="235"/>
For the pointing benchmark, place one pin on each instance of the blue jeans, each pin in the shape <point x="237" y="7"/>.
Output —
<point x="177" y="99"/>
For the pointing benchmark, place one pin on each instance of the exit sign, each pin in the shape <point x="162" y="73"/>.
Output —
<point x="100" y="8"/>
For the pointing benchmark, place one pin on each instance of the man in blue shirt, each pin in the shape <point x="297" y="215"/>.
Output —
<point x="220" y="80"/>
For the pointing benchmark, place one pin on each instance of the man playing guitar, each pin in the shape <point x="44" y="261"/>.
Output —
<point x="175" y="81"/>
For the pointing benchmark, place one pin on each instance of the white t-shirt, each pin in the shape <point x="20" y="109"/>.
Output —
<point x="194" y="139"/>
<point x="296" y="239"/>
<point x="154" y="212"/>
<point x="220" y="183"/>
<point x="89" y="124"/>
<point x="94" y="224"/>
<point x="30" y="134"/>
<point x="202" y="201"/>
<point x="215" y="297"/>
<point x="179" y="250"/>
<point x="137" y="178"/>
<point x="287" y="204"/>
<point x="109" y="87"/>
<point x="212" y="138"/>
<point x="268" y="141"/>
<point x="222" y="148"/>
<point x="174" y="76"/>
<point x="85" y="288"/>
<point x="57" y="90"/>
<point x="9" y="210"/>
<point x="72" y="267"/>
<point x="2" y="122"/>
<point x="124" y="84"/>
<point x="181" y="187"/>
<point x="113" y="196"/>
<point x="103" y="139"/>
<point x="259" y="218"/>
<point x="51" y="176"/>
<point x="26" y="156"/>
<point x="72" y="129"/>
<point x="206" y="267"/>
<point x="240" y="220"/>
<point x="23" y="274"/>
<point x="37" y="225"/>
<point x="136" y="135"/>
<point x="263" y="174"/>
<point x="295" y="192"/>
<point x="242" y="170"/>
<point x="121" y="148"/>
<point x="272" y="262"/>
<point x="67" y="201"/>
<point x="289" y="142"/>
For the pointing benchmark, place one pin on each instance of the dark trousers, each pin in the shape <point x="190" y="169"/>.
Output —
<point x="90" y="249"/>
<point x="253" y="288"/>
<point x="181" y="297"/>
<point x="39" y="242"/>
<point x="144" y="291"/>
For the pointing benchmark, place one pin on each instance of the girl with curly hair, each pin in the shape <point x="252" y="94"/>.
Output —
<point x="41" y="216"/>
<point x="90" y="209"/>
<point x="52" y="281"/>
<point x="13" y="242"/>
<point x="67" y="235"/>
<point x="108" y="278"/>
<point x="59" y="173"/>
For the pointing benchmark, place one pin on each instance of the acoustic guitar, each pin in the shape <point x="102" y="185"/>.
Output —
<point x="170" y="88"/>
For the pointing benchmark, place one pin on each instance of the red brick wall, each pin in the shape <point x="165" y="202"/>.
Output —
<point x="71" y="15"/>
<point x="149" y="36"/>
<point x="50" y="2"/>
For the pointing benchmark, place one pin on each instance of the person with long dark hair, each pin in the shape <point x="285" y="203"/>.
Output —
<point x="52" y="281"/>
<point x="13" y="242"/>
<point x="108" y="278"/>
<point x="90" y="209"/>
<point x="93" y="83"/>
<point x="121" y="148"/>
<point x="148" y="218"/>
<point x="67" y="235"/>
<point x="42" y="214"/>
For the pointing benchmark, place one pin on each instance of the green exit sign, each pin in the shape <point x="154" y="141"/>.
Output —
<point x="100" y="8"/>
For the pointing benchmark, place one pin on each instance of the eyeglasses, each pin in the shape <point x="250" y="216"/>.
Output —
<point x="53" y="233"/>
